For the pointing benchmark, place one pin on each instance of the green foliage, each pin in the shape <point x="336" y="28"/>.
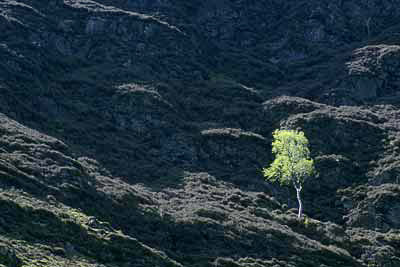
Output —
<point x="306" y="222"/>
<point x="292" y="162"/>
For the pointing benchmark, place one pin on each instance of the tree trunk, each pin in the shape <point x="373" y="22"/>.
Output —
<point x="298" y="190"/>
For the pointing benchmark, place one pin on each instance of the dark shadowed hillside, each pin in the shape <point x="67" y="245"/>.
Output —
<point x="134" y="132"/>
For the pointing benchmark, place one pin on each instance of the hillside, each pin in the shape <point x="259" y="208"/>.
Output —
<point x="133" y="133"/>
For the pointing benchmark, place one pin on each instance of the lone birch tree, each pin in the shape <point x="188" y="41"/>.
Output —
<point x="292" y="164"/>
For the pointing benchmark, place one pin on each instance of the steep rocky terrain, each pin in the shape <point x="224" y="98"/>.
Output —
<point x="133" y="132"/>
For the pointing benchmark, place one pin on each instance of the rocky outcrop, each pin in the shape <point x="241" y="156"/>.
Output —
<point x="373" y="72"/>
<point x="369" y="76"/>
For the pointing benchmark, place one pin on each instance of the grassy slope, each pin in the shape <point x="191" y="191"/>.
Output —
<point x="137" y="140"/>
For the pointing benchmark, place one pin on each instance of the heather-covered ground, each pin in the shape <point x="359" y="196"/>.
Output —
<point x="133" y="133"/>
